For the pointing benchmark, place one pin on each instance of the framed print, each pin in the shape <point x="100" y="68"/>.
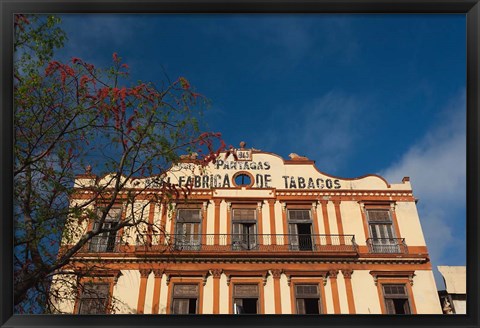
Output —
<point x="241" y="163"/>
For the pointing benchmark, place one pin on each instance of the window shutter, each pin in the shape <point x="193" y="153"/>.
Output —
<point x="379" y="216"/>
<point x="185" y="291"/>
<point x="188" y="215"/>
<point x="299" y="215"/>
<point x="390" y="306"/>
<point x="244" y="214"/>
<point x="293" y="235"/>
<point x="252" y="235"/>
<point x="246" y="291"/>
<point x="300" y="306"/>
<point x="180" y="306"/>
<point x="306" y="290"/>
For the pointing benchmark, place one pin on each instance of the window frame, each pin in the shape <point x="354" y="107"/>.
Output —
<point x="185" y="297"/>
<point x="395" y="240"/>
<point x="299" y="280"/>
<point x="185" y="281"/>
<point x="109" y="278"/>
<point x="242" y="224"/>
<point x="293" y="237"/>
<point x="303" y="297"/>
<point x="190" y="245"/>
<point x="382" y="280"/>
<point x="96" y="240"/>
<point x="247" y="281"/>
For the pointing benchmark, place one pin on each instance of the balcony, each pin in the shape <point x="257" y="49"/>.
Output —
<point x="387" y="245"/>
<point x="250" y="245"/>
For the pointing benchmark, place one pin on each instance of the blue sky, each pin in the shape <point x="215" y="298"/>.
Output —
<point x="358" y="94"/>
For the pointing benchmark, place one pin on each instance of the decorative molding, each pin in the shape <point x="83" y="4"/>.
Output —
<point x="314" y="207"/>
<point x="187" y="273"/>
<point x="205" y="206"/>
<point x="216" y="273"/>
<point x="158" y="272"/>
<point x="276" y="273"/>
<point x="347" y="273"/>
<point x="332" y="274"/>
<point x="301" y="274"/>
<point x="229" y="206"/>
<point x="284" y="206"/>
<point x="238" y="273"/>
<point x="144" y="273"/>
<point x="393" y="274"/>
<point x="259" y="206"/>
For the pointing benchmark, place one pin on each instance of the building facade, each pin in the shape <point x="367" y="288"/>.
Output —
<point x="454" y="297"/>
<point x="257" y="234"/>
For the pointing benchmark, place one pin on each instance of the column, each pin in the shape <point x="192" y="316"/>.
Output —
<point x="317" y="240"/>
<point x="156" y="290"/>
<point x="332" y="274"/>
<point x="273" y="230"/>
<point x="347" y="276"/>
<point x="204" y="223"/>
<point x="216" y="236"/>
<point x="277" y="273"/>
<point x="338" y="216"/>
<point x="217" y="273"/>
<point x="144" y="273"/>
<point x="285" y="224"/>
<point x="325" y="221"/>
<point x="151" y="213"/>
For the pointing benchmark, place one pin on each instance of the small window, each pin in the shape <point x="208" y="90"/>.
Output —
<point x="242" y="180"/>
<point x="245" y="299"/>
<point x="188" y="229"/>
<point x="396" y="299"/>
<point x="307" y="299"/>
<point x="185" y="299"/>
<point x="382" y="235"/>
<point x="244" y="229"/>
<point x="93" y="299"/>
<point x="106" y="241"/>
<point x="300" y="230"/>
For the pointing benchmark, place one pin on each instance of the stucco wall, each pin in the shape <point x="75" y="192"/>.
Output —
<point x="365" y="293"/>
<point x="425" y="293"/>
<point x="126" y="291"/>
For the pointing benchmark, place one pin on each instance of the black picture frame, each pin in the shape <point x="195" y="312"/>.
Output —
<point x="471" y="8"/>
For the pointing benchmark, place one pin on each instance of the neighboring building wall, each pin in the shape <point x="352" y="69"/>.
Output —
<point x="454" y="298"/>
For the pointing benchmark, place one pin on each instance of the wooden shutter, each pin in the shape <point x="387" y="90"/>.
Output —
<point x="180" y="306"/>
<point x="301" y="306"/>
<point x="93" y="299"/>
<point x="390" y="306"/>
<point x="244" y="214"/>
<point x="186" y="291"/>
<point x="299" y="215"/>
<point x="379" y="216"/>
<point x="245" y="291"/>
<point x="306" y="291"/>
<point x="252" y="235"/>
<point x="293" y="235"/>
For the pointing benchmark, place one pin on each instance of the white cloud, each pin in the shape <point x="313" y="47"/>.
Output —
<point x="437" y="168"/>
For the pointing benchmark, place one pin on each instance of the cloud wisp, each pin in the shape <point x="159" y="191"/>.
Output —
<point x="437" y="168"/>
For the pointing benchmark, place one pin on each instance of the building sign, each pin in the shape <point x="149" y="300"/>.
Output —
<point x="262" y="172"/>
<point x="244" y="154"/>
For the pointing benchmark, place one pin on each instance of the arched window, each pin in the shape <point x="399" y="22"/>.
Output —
<point x="242" y="180"/>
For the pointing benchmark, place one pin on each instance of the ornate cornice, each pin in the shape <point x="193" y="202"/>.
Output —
<point x="392" y="275"/>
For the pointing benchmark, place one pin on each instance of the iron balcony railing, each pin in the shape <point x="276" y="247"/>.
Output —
<point x="387" y="245"/>
<point x="250" y="243"/>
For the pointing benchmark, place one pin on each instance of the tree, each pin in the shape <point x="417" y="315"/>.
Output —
<point x="71" y="117"/>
